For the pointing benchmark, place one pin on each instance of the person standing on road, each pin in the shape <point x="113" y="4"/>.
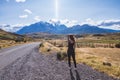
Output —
<point x="71" y="50"/>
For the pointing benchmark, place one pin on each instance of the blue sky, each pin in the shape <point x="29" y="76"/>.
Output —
<point x="30" y="11"/>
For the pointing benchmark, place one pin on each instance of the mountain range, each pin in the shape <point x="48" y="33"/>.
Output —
<point x="58" y="28"/>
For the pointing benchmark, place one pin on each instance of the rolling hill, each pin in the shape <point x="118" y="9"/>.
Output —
<point x="9" y="36"/>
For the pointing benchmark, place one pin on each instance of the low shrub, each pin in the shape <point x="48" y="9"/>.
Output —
<point x="19" y="39"/>
<point x="107" y="64"/>
<point x="48" y="50"/>
<point x="61" y="55"/>
<point x="92" y="46"/>
<point x="117" y="45"/>
<point x="41" y="45"/>
<point x="25" y="41"/>
<point x="64" y="55"/>
<point x="60" y="45"/>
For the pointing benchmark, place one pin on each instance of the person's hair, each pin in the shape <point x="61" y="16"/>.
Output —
<point x="72" y="37"/>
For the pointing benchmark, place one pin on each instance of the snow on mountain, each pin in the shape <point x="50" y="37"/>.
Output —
<point x="63" y="24"/>
<point x="66" y="22"/>
<point x="58" y="28"/>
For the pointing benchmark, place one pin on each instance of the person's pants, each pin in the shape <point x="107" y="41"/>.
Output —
<point x="69" y="59"/>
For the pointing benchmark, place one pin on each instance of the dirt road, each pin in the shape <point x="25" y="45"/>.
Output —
<point x="26" y="63"/>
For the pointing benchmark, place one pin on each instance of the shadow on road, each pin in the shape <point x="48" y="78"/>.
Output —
<point x="71" y="74"/>
<point x="77" y="77"/>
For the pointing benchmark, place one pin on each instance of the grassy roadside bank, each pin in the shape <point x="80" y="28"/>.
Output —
<point x="102" y="59"/>
<point x="9" y="43"/>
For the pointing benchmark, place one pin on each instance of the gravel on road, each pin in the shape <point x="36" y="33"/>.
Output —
<point x="36" y="66"/>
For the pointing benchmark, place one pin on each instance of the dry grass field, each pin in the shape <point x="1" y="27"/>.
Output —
<point x="8" y="39"/>
<point x="9" y="43"/>
<point x="103" y="59"/>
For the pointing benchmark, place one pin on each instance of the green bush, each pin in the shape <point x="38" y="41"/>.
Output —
<point x="19" y="39"/>
<point x="41" y="45"/>
<point x="48" y="50"/>
<point x="61" y="55"/>
<point x="117" y="45"/>
<point x="64" y="55"/>
<point x="107" y="64"/>
<point x="25" y="41"/>
<point x="92" y="46"/>
<point x="111" y="46"/>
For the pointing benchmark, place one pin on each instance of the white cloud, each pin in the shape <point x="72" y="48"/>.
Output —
<point x="19" y="25"/>
<point x="108" y="24"/>
<point x="68" y="23"/>
<point x="12" y="27"/>
<point x="114" y="27"/>
<point x="6" y="27"/>
<point x="90" y="22"/>
<point x="20" y="1"/>
<point x="28" y="11"/>
<point x="111" y="20"/>
<point x="37" y="18"/>
<point x="95" y="23"/>
<point x="23" y="16"/>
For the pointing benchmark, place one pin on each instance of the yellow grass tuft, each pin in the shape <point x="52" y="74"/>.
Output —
<point x="48" y="48"/>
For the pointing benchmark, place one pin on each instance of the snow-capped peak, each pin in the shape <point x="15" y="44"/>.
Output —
<point x="66" y="22"/>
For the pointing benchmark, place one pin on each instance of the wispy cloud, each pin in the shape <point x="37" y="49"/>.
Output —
<point x="23" y="16"/>
<point x="108" y="24"/>
<point x="101" y="22"/>
<point x="114" y="27"/>
<point x="37" y="18"/>
<point x="20" y="1"/>
<point x="18" y="25"/>
<point x="12" y="27"/>
<point x="90" y="22"/>
<point x="28" y="11"/>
